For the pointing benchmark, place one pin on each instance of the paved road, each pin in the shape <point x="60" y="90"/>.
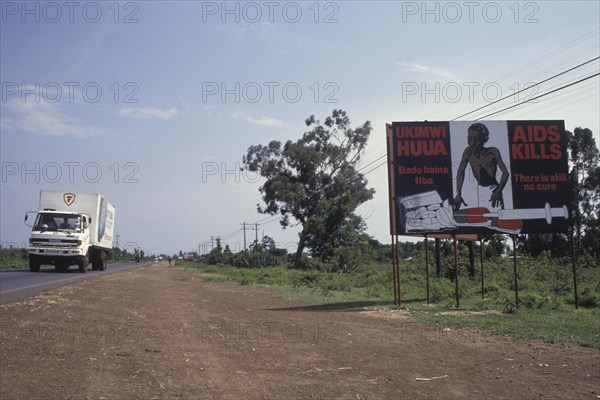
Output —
<point x="17" y="285"/>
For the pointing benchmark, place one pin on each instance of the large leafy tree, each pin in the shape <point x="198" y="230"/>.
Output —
<point x="586" y="191"/>
<point x="315" y="182"/>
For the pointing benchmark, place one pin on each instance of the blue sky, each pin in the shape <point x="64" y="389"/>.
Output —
<point x="154" y="103"/>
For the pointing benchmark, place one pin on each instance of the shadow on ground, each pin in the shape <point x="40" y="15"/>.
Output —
<point x="345" y="306"/>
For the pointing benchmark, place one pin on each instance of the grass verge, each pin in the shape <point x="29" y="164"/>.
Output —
<point x="549" y="317"/>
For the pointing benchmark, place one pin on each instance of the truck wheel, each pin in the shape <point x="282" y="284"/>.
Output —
<point x="34" y="265"/>
<point x="102" y="261"/>
<point x="83" y="264"/>
<point x="94" y="261"/>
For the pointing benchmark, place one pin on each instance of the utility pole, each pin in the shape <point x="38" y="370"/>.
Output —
<point x="117" y="246"/>
<point x="244" y="237"/>
<point x="212" y="243"/>
<point x="255" y="229"/>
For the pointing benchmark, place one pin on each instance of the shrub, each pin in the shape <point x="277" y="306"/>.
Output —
<point x="307" y="279"/>
<point x="441" y="289"/>
<point x="534" y="301"/>
<point x="492" y="288"/>
<point x="589" y="300"/>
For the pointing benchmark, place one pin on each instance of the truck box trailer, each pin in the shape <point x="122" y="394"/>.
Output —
<point x="71" y="228"/>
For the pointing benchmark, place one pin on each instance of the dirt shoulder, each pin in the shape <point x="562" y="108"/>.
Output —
<point x="162" y="333"/>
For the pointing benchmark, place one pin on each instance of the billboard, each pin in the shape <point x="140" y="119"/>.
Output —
<point x="472" y="177"/>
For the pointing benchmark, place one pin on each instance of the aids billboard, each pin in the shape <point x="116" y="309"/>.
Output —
<point x="472" y="177"/>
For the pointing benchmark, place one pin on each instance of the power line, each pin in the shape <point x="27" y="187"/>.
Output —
<point x="544" y="57"/>
<point x="18" y="197"/>
<point x="261" y="220"/>
<point x="527" y="88"/>
<point x="270" y="222"/>
<point x="376" y="167"/>
<point x="230" y="234"/>
<point x="372" y="162"/>
<point x="548" y="55"/>
<point x="13" y="202"/>
<point x="540" y="96"/>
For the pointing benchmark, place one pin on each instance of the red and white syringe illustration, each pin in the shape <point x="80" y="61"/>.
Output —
<point x="510" y="219"/>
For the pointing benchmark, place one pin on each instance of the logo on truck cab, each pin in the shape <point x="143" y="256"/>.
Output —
<point x="69" y="198"/>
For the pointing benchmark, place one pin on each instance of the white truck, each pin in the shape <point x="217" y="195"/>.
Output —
<point x="71" y="228"/>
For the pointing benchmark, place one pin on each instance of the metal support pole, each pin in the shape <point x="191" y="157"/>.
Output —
<point x="394" y="269"/>
<point x="456" y="271"/>
<point x="481" y="263"/>
<point x="514" y="240"/>
<point x="438" y="266"/>
<point x="397" y="255"/>
<point x="574" y="271"/>
<point x="427" y="265"/>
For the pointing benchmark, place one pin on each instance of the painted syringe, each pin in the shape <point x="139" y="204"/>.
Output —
<point x="546" y="213"/>
<point x="481" y="214"/>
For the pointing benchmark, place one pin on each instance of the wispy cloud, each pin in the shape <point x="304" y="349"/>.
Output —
<point x="148" y="112"/>
<point x="265" y="121"/>
<point x="44" y="118"/>
<point x="426" y="70"/>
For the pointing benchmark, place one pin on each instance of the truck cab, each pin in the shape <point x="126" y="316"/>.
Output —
<point x="59" y="238"/>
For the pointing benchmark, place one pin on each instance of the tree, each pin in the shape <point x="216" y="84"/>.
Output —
<point x="554" y="243"/>
<point x="314" y="181"/>
<point x="216" y="255"/>
<point x="591" y="240"/>
<point x="494" y="245"/>
<point x="585" y="182"/>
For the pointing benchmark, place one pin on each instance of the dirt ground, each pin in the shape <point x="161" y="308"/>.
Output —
<point x="162" y="333"/>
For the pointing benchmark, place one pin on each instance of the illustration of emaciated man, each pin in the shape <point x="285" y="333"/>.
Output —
<point x="484" y="162"/>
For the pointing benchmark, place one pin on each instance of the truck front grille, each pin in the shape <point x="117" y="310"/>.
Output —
<point x="53" y="243"/>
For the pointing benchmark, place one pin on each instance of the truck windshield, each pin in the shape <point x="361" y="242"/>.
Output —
<point x="57" y="222"/>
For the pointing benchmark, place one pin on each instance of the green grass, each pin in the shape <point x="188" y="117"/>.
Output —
<point x="14" y="259"/>
<point x="554" y="326"/>
<point x="546" y="309"/>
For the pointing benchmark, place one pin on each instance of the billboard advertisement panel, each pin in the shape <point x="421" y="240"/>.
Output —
<point x="472" y="177"/>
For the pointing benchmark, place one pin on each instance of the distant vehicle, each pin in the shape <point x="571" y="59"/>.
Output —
<point x="71" y="228"/>
<point x="155" y="260"/>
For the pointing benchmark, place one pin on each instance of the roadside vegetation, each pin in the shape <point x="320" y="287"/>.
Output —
<point x="546" y="308"/>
